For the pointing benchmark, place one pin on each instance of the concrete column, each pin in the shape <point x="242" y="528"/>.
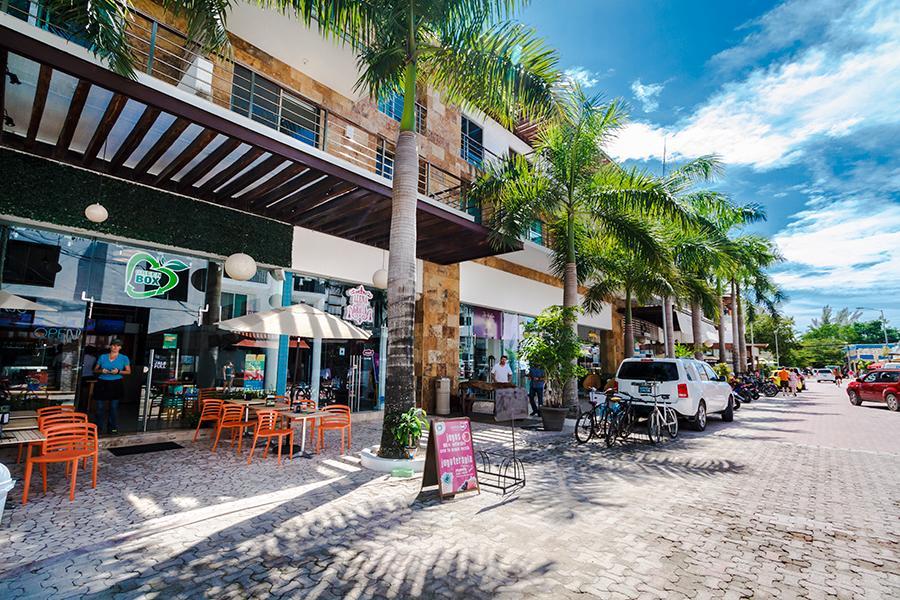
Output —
<point x="437" y="331"/>
<point x="284" y="342"/>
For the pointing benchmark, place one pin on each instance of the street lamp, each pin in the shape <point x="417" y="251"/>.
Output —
<point x="883" y="322"/>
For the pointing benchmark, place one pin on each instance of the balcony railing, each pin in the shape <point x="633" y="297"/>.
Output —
<point x="167" y="55"/>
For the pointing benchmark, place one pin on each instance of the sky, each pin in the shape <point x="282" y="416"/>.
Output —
<point x="801" y="101"/>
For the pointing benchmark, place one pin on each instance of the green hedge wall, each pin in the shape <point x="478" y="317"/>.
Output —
<point x="42" y="190"/>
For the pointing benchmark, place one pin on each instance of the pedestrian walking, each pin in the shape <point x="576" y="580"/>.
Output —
<point x="793" y="380"/>
<point x="536" y="393"/>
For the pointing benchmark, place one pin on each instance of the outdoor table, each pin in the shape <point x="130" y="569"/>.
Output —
<point x="23" y="414"/>
<point x="21" y="424"/>
<point x="292" y="416"/>
<point x="247" y="404"/>
<point x="25" y="436"/>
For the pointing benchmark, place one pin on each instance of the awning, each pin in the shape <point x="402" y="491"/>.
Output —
<point x="68" y="107"/>
<point x="261" y="340"/>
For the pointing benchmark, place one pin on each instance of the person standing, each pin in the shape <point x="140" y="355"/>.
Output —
<point x="228" y="374"/>
<point x="110" y="368"/>
<point x="784" y="377"/>
<point x="501" y="371"/>
<point x="793" y="380"/>
<point x="536" y="393"/>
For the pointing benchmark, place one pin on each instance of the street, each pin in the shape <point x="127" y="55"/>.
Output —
<point x="798" y="497"/>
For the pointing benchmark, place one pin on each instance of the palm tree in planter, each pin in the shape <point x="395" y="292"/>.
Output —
<point x="551" y="343"/>
<point x="465" y="49"/>
<point x="570" y="184"/>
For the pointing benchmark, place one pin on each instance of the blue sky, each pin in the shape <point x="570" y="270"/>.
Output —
<point x="801" y="100"/>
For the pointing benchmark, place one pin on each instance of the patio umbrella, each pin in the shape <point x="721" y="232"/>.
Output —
<point x="299" y="320"/>
<point x="12" y="302"/>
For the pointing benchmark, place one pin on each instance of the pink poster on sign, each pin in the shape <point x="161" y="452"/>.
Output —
<point x="455" y="456"/>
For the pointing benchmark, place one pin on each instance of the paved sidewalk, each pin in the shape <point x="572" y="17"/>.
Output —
<point x="796" y="498"/>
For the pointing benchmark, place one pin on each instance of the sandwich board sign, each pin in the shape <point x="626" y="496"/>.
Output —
<point x="450" y="459"/>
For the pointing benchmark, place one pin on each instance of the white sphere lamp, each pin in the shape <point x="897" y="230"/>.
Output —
<point x="380" y="279"/>
<point x="240" y="266"/>
<point x="96" y="213"/>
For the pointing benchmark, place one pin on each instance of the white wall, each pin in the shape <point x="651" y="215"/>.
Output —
<point x="330" y="257"/>
<point x="492" y="288"/>
<point x="304" y="49"/>
<point x="497" y="139"/>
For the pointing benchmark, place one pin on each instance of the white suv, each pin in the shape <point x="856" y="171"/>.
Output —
<point x="693" y="387"/>
<point x="824" y="375"/>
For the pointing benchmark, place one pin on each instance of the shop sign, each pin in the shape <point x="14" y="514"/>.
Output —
<point x="450" y="460"/>
<point x="368" y="353"/>
<point x="359" y="309"/>
<point x="66" y="335"/>
<point x="147" y="277"/>
<point x="170" y="340"/>
<point x="486" y="323"/>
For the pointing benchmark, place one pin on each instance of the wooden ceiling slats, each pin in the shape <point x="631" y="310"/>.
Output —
<point x="200" y="142"/>
<point x="107" y="121"/>
<point x="161" y="145"/>
<point x="135" y="136"/>
<point x="73" y="115"/>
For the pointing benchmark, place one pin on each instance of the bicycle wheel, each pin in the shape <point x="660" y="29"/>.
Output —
<point x="612" y="430"/>
<point x="654" y="427"/>
<point x="626" y="423"/>
<point x="671" y="422"/>
<point x="584" y="428"/>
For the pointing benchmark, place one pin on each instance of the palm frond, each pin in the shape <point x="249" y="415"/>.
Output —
<point x="505" y="70"/>
<point x="102" y="24"/>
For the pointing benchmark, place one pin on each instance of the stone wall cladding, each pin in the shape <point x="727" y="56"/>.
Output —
<point x="437" y="331"/>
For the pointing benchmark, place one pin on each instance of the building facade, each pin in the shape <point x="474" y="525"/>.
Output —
<point x="271" y="152"/>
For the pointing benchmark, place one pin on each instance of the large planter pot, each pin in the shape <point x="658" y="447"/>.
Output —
<point x="371" y="460"/>
<point x="554" y="418"/>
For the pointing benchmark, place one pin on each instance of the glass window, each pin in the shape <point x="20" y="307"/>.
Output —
<point x="30" y="263"/>
<point x="648" y="371"/>
<point x="691" y="373"/>
<point x="392" y="106"/>
<point x="384" y="159"/>
<point x="265" y="102"/>
<point x="472" y="139"/>
<point x="536" y="232"/>
<point x="233" y="305"/>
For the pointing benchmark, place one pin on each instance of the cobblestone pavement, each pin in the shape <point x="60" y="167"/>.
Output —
<point x="796" y="498"/>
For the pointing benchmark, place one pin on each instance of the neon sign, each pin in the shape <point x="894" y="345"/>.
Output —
<point x="359" y="310"/>
<point x="156" y="278"/>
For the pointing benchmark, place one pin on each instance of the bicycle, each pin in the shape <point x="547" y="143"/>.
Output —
<point x="621" y="420"/>
<point x="661" y="418"/>
<point x="592" y="421"/>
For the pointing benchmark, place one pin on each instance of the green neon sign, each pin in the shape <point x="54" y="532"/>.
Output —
<point x="145" y="270"/>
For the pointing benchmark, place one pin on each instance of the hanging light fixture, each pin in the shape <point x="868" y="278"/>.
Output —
<point x="240" y="266"/>
<point x="96" y="213"/>
<point x="380" y="277"/>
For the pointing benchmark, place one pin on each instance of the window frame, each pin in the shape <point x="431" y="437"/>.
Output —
<point x="467" y="141"/>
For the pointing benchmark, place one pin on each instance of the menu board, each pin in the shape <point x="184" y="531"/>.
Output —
<point x="450" y="460"/>
<point x="510" y="404"/>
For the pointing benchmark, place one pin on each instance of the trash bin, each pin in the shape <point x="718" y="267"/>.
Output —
<point x="442" y="395"/>
<point x="6" y="484"/>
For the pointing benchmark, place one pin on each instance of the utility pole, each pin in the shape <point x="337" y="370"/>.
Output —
<point x="777" y="354"/>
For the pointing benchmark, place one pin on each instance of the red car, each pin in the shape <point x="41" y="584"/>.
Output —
<point x="882" y="385"/>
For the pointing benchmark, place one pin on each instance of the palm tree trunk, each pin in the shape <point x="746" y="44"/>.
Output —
<point x="696" y="329"/>
<point x="742" y="338"/>
<point x="570" y="299"/>
<point x="721" y="322"/>
<point x="735" y="357"/>
<point x="670" y="327"/>
<point x="400" y="387"/>
<point x="629" y="326"/>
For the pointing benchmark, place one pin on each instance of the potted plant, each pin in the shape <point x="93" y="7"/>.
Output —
<point x="551" y="342"/>
<point x="408" y="430"/>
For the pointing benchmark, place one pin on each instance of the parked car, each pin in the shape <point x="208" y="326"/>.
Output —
<point x="694" y="389"/>
<point x="825" y="375"/>
<point x="882" y="385"/>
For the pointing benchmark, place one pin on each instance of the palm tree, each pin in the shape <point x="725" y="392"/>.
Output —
<point x="465" y="49"/>
<point x="570" y="184"/>
<point x="756" y="254"/>
<point x="621" y="270"/>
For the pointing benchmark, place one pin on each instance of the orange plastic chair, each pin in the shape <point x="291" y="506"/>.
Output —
<point x="64" y="443"/>
<point x="232" y="418"/>
<point x="53" y="418"/>
<point x="266" y="427"/>
<point x="211" y="411"/>
<point x="338" y="419"/>
<point x="307" y="405"/>
<point x="52" y="410"/>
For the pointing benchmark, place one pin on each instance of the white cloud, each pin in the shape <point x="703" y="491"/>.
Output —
<point x="767" y="117"/>
<point x="647" y="94"/>
<point x="585" y="77"/>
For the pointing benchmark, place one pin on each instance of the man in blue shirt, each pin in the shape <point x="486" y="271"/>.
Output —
<point x="536" y="375"/>
<point x="110" y="369"/>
